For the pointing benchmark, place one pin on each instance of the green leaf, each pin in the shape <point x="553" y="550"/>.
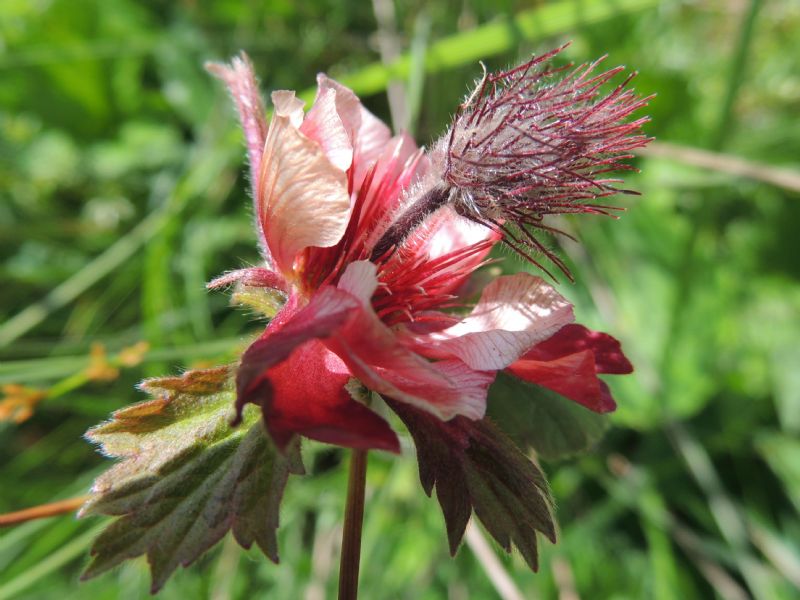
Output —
<point x="475" y="466"/>
<point x="554" y="426"/>
<point x="186" y="476"/>
<point x="782" y="453"/>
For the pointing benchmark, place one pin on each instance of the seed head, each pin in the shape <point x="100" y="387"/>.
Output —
<point x="537" y="140"/>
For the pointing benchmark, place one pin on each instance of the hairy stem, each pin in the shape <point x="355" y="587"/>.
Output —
<point x="353" y="520"/>
<point x="413" y="217"/>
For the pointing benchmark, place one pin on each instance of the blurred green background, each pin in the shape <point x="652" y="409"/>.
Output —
<point x="122" y="191"/>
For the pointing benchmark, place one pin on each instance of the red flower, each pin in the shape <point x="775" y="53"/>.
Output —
<point x="369" y="239"/>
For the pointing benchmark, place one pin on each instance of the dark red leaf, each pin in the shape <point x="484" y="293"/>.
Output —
<point x="474" y="466"/>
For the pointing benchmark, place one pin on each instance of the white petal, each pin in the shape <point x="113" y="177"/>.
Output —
<point x="514" y="313"/>
<point x="324" y="125"/>
<point x="288" y="105"/>
<point x="360" y="278"/>
<point x="302" y="197"/>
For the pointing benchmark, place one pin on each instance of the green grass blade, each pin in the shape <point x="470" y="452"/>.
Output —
<point x="494" y="38"/>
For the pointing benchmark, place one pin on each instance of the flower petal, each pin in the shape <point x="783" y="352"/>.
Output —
<point x="324" y="125"/>
<point x="299" y="384"/>
<point x="607" y="350"/>
<point x="369" y="134"/>
<point x="569" y="361"/>
<point x="287" y="104"/>
<point x="376" y="357"/>
<point x="309" y="398"/>
<point x="302" y="196"/>
<point x="450" y="232"/>
<point x="514" y="313"/>
<point x="573" y="376"/>
<point x="289" y="329"/>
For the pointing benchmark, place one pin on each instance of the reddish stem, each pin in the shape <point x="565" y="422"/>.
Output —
<point x="353" y="520"/>
<point x="40" y="512"/>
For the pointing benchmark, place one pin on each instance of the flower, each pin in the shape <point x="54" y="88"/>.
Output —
<point x="371" y="241"/>
<point x="530" y="142"/>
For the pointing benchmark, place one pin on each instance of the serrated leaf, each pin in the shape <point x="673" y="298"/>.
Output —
<point x="475" y="466"/>
<point x="186" y="476"/>
<point x="537" y="418"/>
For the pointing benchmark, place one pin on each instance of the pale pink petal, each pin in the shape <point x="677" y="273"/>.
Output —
<point x="376" y="357"/>
<point x="400" y="160"/>
<point x="369" y="134"/>
<point x="450" y="232"/>
<point x="514" y="313"/>
<point x="287" y="104"/>
<point x="348" y="106"/>
<point x="360" y="279"/>
<point x="444" y="235"/>
<point x="324" y="125"/>
<point x="399" y="167"/>
<point x="302" y="197"/>
<point x="372" y="138"/>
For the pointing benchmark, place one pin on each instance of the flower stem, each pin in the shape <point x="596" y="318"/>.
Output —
<point x="353" y="519"/>
<point x="43" y="511"/>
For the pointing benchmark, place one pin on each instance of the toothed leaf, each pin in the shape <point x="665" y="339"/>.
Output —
<point x="474" y="466"/>
<point x="186" y="477"/>
<point x="537" y="418"/>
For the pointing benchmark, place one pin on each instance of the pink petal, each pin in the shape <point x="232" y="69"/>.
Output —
<point x="302" y="196"/>
<point x="299" y="384"/>
<point x="348" y="106"/>
<point x="324" y="125"/>
<point x="376" y="357"/>
<point x="368" y="133"/>
<point x="451" y="232"/>
<point x="343" y="319"/>
<point x="445" y="235"/>
<point x="287" y="104"/>
<point x="573" y="376"/>
<point x="399" y="165"/>
<point x="607" y="351"/>
<point x="289" y="329"/>
<point x="514" y="313"/>
<point x="309" y="399"/>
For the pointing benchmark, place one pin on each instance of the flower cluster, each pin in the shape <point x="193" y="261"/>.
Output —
<point x="372" y="242"/>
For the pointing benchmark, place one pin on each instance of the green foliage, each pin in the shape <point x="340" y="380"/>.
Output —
<point x="541" y="420"/>
<point x="113" y="139"/>
<point x="186" y="477"/>
<point x="474" y="466"/>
